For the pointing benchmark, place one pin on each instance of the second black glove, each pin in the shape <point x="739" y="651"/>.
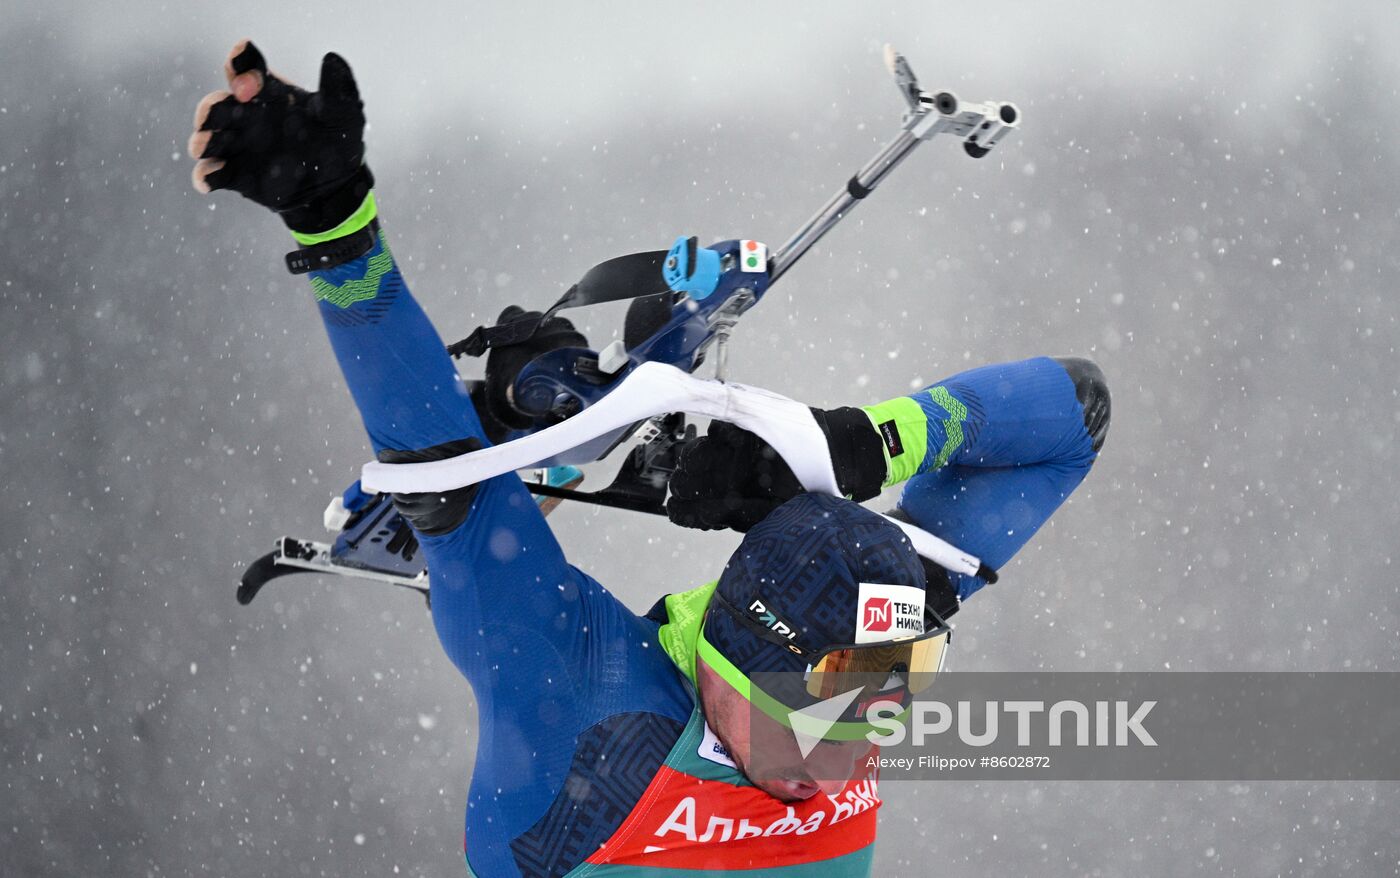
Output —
<point x="730" y="478"/>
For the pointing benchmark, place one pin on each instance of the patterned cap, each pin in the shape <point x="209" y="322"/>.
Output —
<point x="800" y="571"/>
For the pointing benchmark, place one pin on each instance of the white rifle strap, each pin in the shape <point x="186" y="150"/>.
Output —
<point x="656" y="389"/>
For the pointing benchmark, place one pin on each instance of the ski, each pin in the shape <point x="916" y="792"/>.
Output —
<point x="294" y="555"/>
<point x="373" y="542"/>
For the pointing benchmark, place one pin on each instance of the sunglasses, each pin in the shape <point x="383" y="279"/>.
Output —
<point x="833" y="670"/>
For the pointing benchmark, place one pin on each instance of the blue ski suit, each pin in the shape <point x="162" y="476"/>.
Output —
<point x="562" y="672"/>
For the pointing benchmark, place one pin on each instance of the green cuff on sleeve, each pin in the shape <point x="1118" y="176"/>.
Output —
<point x="903" y="426"/>
<point x="362" y="217"/>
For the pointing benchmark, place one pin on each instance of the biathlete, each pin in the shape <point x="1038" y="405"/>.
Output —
<point x="616" y="744"/>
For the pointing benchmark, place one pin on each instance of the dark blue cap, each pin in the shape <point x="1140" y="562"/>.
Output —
<point x="799" y="570"/>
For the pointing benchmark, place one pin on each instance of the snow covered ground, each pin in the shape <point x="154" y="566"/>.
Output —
<point x="1201" y="198"/>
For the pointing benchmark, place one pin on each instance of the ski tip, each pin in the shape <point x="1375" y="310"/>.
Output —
<point x="891" y="59"/>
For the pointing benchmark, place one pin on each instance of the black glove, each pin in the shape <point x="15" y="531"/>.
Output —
<point x="504" y="362"/>
<point x="296" y="152"/>
<point x="732" y="478"/>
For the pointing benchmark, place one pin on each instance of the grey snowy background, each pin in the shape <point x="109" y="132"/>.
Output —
<point x="1203" y="198"/>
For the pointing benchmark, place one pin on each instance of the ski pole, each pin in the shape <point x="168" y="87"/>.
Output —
<point x="981" y="126"/>
<point x="859" y="186"/>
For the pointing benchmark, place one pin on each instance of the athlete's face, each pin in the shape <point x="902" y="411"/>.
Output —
<point x="786" y="775"/>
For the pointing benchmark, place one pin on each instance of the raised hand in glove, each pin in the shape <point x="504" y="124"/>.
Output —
<point x="732" y="478"/>
<point x="299" y="153"/>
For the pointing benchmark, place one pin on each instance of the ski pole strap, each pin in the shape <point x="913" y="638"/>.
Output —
<point x="614" y="280"/>
<point x="329" y="254"/>
<point x="483" y="338"/>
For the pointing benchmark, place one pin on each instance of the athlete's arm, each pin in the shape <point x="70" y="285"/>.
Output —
<point x="543" y="645"/>
<point x="301" y="154"/>
<point x="557" y="664"/>
<point x="988" y="455"/>
<point x="991" y="453"/>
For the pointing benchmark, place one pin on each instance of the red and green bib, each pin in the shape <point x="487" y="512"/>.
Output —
<point x="700" y="816"/>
